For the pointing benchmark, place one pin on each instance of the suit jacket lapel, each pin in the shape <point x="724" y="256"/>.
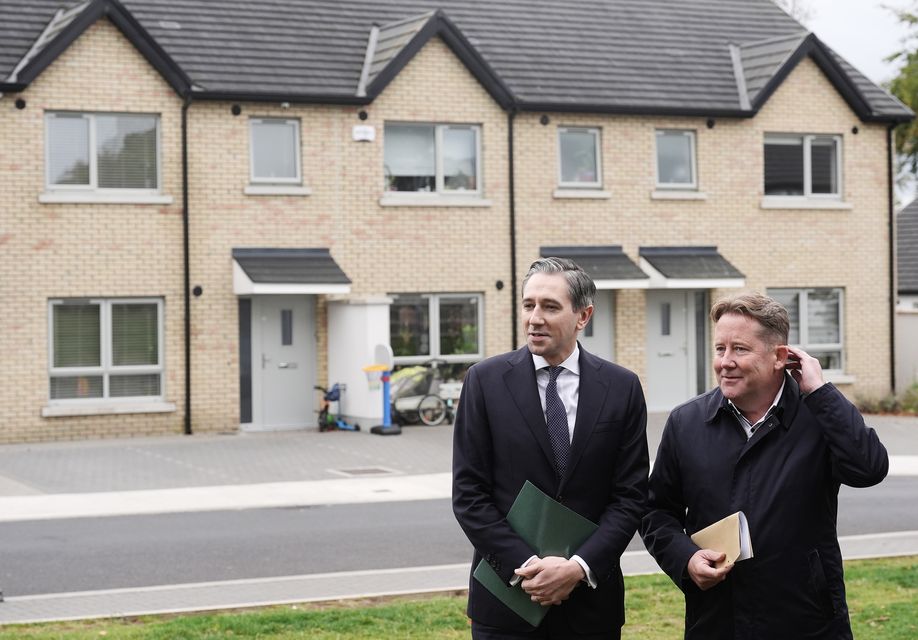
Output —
<point x="521" y="385"/>
<point x="591" y="398"/>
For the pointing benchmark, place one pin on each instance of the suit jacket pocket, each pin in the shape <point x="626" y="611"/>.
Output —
<point x="818" y="584"/>
<point x="609" y="425"/>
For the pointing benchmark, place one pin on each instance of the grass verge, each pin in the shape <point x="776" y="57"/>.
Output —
<point x="882" y="598"/>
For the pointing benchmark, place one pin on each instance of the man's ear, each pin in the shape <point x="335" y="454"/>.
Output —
<point x="585" y="314"/>
<point x="780" y="356"/>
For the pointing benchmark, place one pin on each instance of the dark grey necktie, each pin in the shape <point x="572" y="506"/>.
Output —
<point x="556" y="419"/>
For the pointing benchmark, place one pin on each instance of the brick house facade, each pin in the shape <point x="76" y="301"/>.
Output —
<point x="124" y="253"/>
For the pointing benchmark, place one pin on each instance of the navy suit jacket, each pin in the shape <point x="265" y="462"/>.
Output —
<point x="501" y="440"/>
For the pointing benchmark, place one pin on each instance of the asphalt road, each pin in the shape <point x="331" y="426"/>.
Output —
<point x="88" y="554"/>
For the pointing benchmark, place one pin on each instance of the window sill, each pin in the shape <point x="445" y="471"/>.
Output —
<point x="431" y="200"/>
<point x="70" y="197"/>
<point x="792" y="202"/>
<point x="586" y="194"/>
<point x="839" y="377"/>
<point x="105" y="408"/>
<point x="277" y="190"/>
<point x="677" y="194"/>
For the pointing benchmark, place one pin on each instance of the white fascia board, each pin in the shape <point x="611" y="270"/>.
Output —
<point x="630" y="283"/>
<point x="243" y="286"/>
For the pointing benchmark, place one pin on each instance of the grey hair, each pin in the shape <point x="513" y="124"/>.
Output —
<point x="580" y="286"/>
<point x="768" y="312"/>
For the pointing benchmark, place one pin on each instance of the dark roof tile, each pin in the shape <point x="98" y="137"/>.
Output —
<point x="637" y="56"/>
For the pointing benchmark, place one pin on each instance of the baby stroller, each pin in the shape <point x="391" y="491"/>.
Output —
<point x="419" y="394"/>
<point x="329" y="421"/>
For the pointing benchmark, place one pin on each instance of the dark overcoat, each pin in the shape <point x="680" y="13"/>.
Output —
<point x="501" y="440"/>
<point x="786" y="480"/>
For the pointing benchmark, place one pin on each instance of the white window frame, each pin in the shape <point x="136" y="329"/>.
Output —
<point x="105" y="368"/>
<point x="253" y="179"/>
<point x="808" y="138"/>
<point x="433" y="300"/>
<point x="803" y="319"/>
<point x="596" y="132"/>
<point x="93" y="186"/>
<point x="439" y="190"/>
<point x="693" y="161"/>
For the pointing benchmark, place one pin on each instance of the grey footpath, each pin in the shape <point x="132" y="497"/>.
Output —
<point x="259" y="470"/>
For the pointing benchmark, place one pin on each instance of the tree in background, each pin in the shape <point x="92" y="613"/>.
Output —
<point x="905" y="87"/>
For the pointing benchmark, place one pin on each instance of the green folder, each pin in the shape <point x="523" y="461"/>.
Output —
<point x="548" y="527"/>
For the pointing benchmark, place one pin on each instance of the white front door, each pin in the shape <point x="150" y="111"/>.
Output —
<point x="670" y="349"/>
<point x="597" y="336"/>
<point x="283" y="362"/>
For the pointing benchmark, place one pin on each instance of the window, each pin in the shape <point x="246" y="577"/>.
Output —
<point x="816" y="323"/>
<point x="802" y="165"/>
<point x="579" y="155"/>
<point x="425" y="326"/>
<point x="676" y="159"/>
<point x="275" y="151"/>
<point x="102" y="151"/>
<point x="428" y="158"/>
<point x="101" y="349"/>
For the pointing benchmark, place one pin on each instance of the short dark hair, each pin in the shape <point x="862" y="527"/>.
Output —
<point x="768" y="312"/>
<point x="580" y="285"/>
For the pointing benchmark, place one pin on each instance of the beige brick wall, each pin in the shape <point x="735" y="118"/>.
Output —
<point x="84" y="250"/>
<point x="383" y="249"/>
<point x="69" y="250"/>
<point x="773" y="248"/>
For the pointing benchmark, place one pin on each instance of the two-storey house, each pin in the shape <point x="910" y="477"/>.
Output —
<point x="210" y="207"/>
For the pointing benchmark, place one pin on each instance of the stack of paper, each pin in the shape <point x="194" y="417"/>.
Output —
<point x="730" y="536"/>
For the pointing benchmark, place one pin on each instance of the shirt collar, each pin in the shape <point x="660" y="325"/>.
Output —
<point x="774" y="403"/>
<point x="572" y="363"/>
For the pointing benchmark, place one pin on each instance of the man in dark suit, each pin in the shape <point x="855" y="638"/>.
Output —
<point x="573" y="425"/>
<point x="773" y="440"/>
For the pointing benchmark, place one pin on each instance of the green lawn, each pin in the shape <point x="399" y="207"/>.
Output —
<point x="882" y="597"/>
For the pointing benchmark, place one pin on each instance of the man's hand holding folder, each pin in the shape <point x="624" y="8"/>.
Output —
<point x="554" y="532"/>
<point x="551" y="579"/>
<point x="723" y="543"/>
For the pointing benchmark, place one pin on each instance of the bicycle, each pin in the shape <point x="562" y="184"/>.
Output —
<point x="329" y="421"/>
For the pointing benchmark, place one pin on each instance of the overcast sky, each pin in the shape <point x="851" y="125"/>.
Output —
<point x="862" y="31"/>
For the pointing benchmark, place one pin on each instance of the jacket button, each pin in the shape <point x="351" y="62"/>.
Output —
<point x="560" y="498"/>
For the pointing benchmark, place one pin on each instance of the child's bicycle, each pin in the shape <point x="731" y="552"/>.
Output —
<point x="329" y="421"/>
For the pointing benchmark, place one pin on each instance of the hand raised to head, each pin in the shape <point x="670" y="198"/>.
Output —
<point x="805" y="368"/>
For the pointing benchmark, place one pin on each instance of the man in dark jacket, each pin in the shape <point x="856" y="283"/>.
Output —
<point x="775" y="441"/>
<point x="574" y="426"/>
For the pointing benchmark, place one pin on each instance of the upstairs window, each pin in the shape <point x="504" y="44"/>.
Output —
<point x="579" y="154"/>
<point x="676" y="159"/>
<point x="103" y="349"/>
<point x="275" y="151"/>
<point x="803" y="165"/>
<point x="433" y="158"/>
<point x="101" y="151"/>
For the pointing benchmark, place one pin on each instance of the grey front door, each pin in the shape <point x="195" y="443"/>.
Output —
<point x="597" y="336"/>
<point x="283" y="362"/>
<point x="670" y="330"/>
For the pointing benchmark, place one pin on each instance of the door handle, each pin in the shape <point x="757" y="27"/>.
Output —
<point x="664" y="354"/>
<point x="286" y="365"/>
